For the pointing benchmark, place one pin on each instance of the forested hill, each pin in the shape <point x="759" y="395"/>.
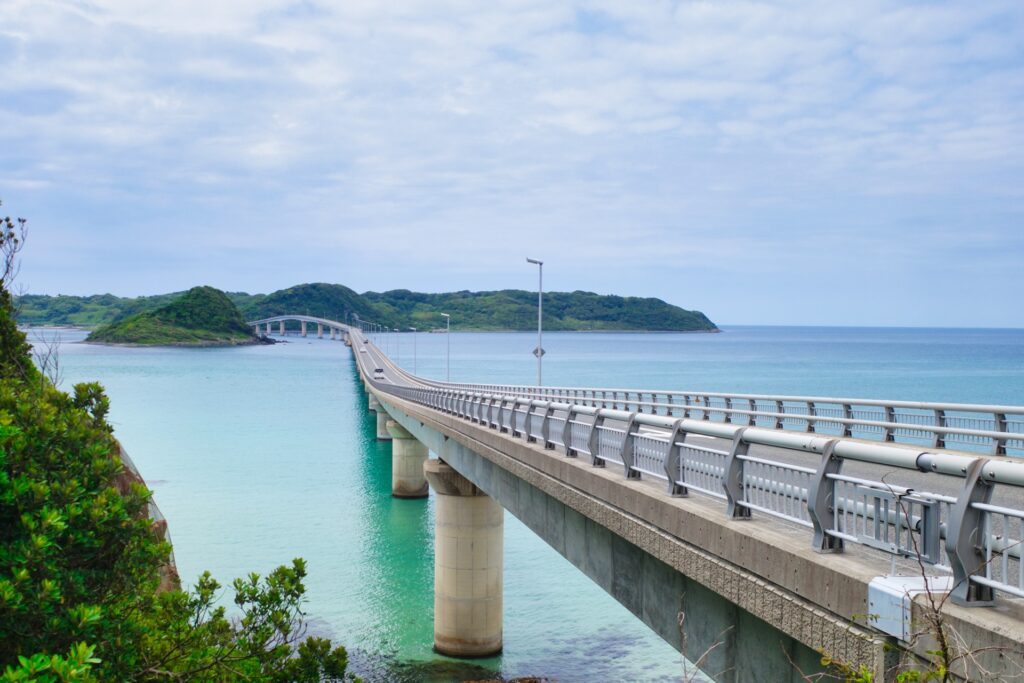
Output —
<point x="509" y="309"/>
<point x="515" y="309"/>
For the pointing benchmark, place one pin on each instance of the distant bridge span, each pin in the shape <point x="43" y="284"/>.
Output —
<point x="265" y="325"/>
<point x="769" y="525"/>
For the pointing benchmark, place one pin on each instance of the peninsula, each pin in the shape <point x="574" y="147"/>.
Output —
<point x="202" y="316"/>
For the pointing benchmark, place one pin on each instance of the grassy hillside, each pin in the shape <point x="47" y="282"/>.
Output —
<point x="509" y="309"/>
<point x="203" y="316"/>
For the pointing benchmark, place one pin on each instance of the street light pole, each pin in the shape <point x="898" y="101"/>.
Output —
<point x="413" y="349"/>
<point x="448" y="340"/>
<point x="539" y="351"/>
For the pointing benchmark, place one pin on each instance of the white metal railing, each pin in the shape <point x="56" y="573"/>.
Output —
<point x="998" y="430"/>
<point x="979" y="543"/>
<point x="651" y="434"/>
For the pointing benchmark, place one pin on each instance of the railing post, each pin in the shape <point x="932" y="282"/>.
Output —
<point x="528" y="421"/>
<point x="502" y="408"/>
<point x="999" y="445"/>
<point x="939" y="439"/>
<point x="727" y="412"/>
<point x="567" y="432"/>
<point x="812" y="410"/>
<point x="963" y="539"/>
<point x="890" y="417"/>
<point x="494" y="412"/>
<point x="780" y="411"/>
<point x="626" y="453"/>
<point x="593" y="439"/>
<point x="821" y="503"/>
<point x="545" y="426"/>
<point x="672" y="461"/>
<point x="733" y="480"/>
<point x="847" y="414"/>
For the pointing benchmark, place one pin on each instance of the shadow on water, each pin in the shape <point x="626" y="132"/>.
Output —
<point x="441" y="670"/>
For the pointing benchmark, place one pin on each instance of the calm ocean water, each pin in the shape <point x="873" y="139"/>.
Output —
<point x="261" y="454"/>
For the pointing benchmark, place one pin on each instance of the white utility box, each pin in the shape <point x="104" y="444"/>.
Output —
<point x="890" y="597"/>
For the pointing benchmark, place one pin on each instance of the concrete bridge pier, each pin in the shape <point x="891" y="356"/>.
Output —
<point x="468" y="563"/>
<point x="268" y="329"/>
<point x="382" y="426"/>
<point x="280" y="328"/>
<point x="407" y="458"/>
<point x="303" y="324"/>
<point x="319" y="330"/>
<point x="256" y="330"/>
<point x="382" y="419"/>
<point x="333" y="330"/>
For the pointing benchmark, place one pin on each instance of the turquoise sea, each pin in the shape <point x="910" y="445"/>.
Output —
<point x="261" y="454"/>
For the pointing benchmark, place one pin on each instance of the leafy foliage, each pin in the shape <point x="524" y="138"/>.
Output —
<point x="203" y="315"/>
<point x="74" y="550"/>
<point x="40" y="668"/>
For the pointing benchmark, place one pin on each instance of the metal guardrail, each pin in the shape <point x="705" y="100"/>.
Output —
<point x="966" y="535"/>
<point x="979" y="543"/>
<point x="997" y="430"/>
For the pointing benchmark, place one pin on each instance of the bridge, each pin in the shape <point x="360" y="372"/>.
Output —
<point x="751" y="532"/>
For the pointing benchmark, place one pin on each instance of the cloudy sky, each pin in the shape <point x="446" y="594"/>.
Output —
<point x="793" y="162"/>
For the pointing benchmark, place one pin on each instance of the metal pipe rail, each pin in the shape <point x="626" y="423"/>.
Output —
<point x="999" y="430"/>
<point x="977" y="542"/>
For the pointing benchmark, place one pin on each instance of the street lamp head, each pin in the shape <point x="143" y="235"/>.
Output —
<point x="533" y="260"/>
<point x="445" y="315"/>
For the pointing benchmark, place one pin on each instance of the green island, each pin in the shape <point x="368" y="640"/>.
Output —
<point x="504" y="310"/>
<point x="202" y="316"/>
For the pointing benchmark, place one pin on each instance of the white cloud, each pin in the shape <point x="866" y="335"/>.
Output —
<point x="711" y="129"/>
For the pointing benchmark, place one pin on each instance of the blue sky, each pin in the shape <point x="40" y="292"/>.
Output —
<point x="795" y="162"/>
